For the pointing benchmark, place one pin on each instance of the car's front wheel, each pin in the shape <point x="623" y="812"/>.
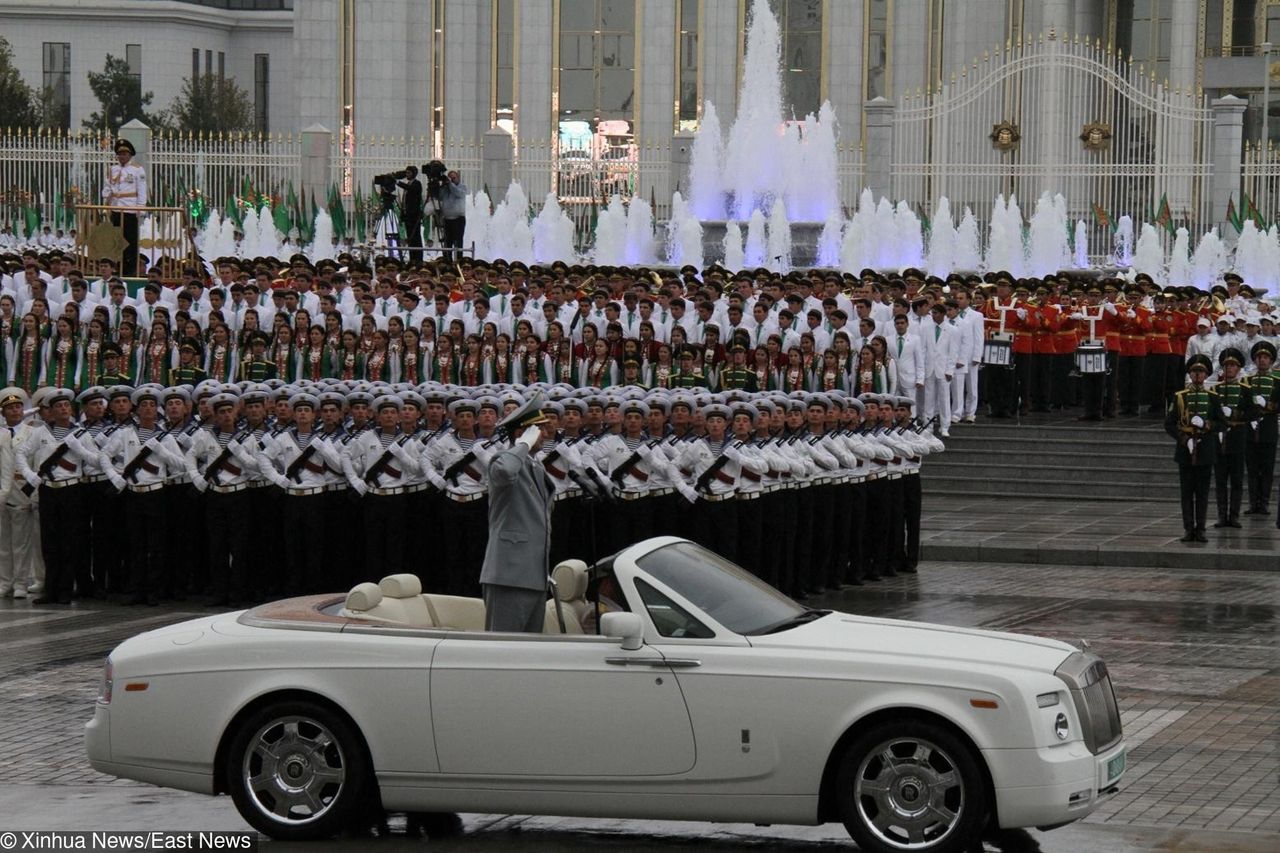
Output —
<point x="911" y="785"/>
<point x="297" y="771"/>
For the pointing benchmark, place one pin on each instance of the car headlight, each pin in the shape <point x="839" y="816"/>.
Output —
<point x="1061" y="727"/>
<point x="108" y="673"/>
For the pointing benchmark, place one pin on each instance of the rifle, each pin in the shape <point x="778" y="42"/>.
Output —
<point x="291" y="473"/>
<point x="214" y="468"/>
<point x="451" y="473"/>
<point x="631" y="461"/>
<point x="45" y="471"/>
<point x="928" y="424"/>
<point x="713" y="469"/>
<point x="384" y="462"/>
<point x="130" y="471"/>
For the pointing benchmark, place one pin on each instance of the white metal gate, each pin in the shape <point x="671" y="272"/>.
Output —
<point x="1078" y="120"/>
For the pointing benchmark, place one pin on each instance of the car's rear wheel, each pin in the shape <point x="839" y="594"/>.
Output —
<point x="297" y="771"/>
<point x="911" y="785"/>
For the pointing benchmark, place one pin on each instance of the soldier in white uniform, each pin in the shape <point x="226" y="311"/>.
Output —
<point x="18" y="521"/>
<point x="712" y="466"/>
<point x="126" y="189"/>
<point x="378" y="466"/>
<point x="457" y="464"/>
<point x="630" y="461"/>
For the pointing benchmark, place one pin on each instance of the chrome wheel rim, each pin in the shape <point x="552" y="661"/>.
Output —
<point x="909" y="793"/>
<point x="294" y="770"/>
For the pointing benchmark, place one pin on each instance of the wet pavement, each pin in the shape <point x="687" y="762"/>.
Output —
<point x="1193" y="655"/>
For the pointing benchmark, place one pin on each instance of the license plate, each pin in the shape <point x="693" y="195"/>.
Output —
<point x="1115" y="767"/>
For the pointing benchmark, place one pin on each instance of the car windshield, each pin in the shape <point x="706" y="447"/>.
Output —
<point x="725" y="592"/>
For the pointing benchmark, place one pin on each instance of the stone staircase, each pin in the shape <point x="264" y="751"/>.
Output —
<point x="1126" y="459"/>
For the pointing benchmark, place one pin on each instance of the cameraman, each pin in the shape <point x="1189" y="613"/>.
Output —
<point x="411" y="212"/>
<point x="453" y="197"/>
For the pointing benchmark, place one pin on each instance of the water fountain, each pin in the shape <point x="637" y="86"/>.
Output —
<point x="733" y="254"/>
<point x="882" y="241"/>
<point x="552" y="233"/>
<point x="1209" y="261"/>
<point x="268" y="236"/>
<point x="706" y="198"/>
<point x="1005" y="251"/>
<point x="940" y="259"/>
<point x="753" y="254"/>
<point x="779" y="245"/>
<point x="639" y="248"/>
<point x="322" y="243"/>
<point x="684" y="235"/>
<point x="910" y="237"/>
<point x="509" y="235"/>
<point x="611" y="234"/>
<point x="1148" y="257"/>
<point x="854" y="249"/>
<point x="249" y="227"/>
<point x="1082" y="245"/>
<point x="1180" y="272"/>
<point x="829" y="242"/>
<point x="1047" y="244"/>
<point x="1124" y="242"/>
<point x="968" y="255"/>
<point x="476" y="209"/>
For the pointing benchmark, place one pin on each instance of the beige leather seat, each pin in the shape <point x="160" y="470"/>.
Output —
<point x="456" y="611"/>
<point x="366" y="601"/>
<point x="405" y="592"/>
<point x="571" y="590"/>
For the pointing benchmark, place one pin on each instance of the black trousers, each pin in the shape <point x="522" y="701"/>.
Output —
<point x="875" y="539"/>
<point x="1260" y="459"/>
<point x="262" y="505"/>
<point x="1041" y="379"/>
<point x="411" y="230"/>
<point x="105" y="507"/>
<point x="64" y="539"/>
<point x="571" y="534"/>
<point x="344" y="568"/>
<point x="228" y="544"/>
<point x="666" y="511"/>
<point x="385" y="531"/>
<point x="128" y="223"/>
<point x="1093" y="387"/>
<point x="1111" y="383"/>
<point x="453" y="230"/>
<point x="185" y="549"/>
<point x="1062" y="392"/>
<point x="717" y="526"/>
<point x="823" y="553"/>
<point x="1000" y="388"/>
<point x="857" y="525"/>
<point x="630" y="521"/>
<point x="151" y="572"/>
<point x="468" y="524"/>
<point x="776" y="541"/>
<point x="422" y="515"/>
<point x="1228" y="478"/>
<point x="1193" y="482"/>
<point x="304" y="543"/>
<point x="751" y="534"/>
<point x="1129" y="382"/>
<point x="895" y="527"/>
<point x="802" y="575"/>
<point x="838" y="558"/>
<point x="1024" y="378"/>
<point x="911" y="518"/>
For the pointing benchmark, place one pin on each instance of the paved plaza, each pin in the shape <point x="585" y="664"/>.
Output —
<point x="1193" y="655"/>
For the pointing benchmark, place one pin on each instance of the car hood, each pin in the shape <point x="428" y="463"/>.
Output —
<point x="920" y="641"/>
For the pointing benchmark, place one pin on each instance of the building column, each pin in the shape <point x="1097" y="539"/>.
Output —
<point x="719" y="46"/>
<point x="878" y="148"/>
<point x="1228" y="146"/>
<point x="315" y="65"/>
<point x="495" y="163"/>
<point x="317" y="152"/>
<point x="844" y="49"/>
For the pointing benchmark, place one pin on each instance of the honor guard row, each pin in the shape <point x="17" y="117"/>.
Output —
<point x="254" y="490"/>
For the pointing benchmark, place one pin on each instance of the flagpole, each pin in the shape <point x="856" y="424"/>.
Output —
<point x="1266" y="95"/>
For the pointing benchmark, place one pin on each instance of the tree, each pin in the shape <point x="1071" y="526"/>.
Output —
<point x="210" y="103"/>
<point x="18" y="102"/>
<point x="120" y="96"/>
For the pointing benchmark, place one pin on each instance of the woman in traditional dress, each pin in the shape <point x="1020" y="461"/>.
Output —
<point x="62" y="356"/>
<point x="221" y="358"/>
<point x="28" y="351"/>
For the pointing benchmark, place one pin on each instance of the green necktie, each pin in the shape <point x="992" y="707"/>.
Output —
<point x="937" y="332"/>
<point x="899" y="345"/>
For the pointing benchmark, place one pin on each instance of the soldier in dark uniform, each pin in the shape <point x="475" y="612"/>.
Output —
<point x="257" y="367"/>
<point x="1193" y="421"/>
<point x="738" y="376"/>
<point x="189" y="372"/>
<point x="112" y="374"/>
<point x="1228" y="467"/>
<point x="1263" y="391"/>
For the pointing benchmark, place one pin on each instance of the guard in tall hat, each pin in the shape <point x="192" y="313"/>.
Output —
<point x="457" y="464"/>
<point x="141" y="457"/>
<point x="50" y="461"/>
<point x="222" y="463"/>
<point x="377" y="464"/>
<point x="297" y="460"/>
<point x="1263" y="391"/>
<point x="124" y="193"/>
<point x="1236" y="407"/>
<point x="513" y="577"/>
<point x="1193" y="421"/>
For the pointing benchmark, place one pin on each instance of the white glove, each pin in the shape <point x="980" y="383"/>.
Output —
<point x="1197" y="422"/>
<point x="1226" y="411"/>
<point x="1109" y="307"/>
<point x="1259" y="400"/>
<point x="1191" y="445"/>
<point x="530" y="437"/>
<point x="33" y="481"/>
<point x="278" y="478"/>
<point x="1254" y="424"/>
<point x="358" y="486"/>
<point x="117" y="481"/>
<point x="1077" y="316"/>
<point x="732" y="451"/>
<point x="200" y="483"/>
<point x="686" y="491"/>
<point x="153" y="443"/>
<point x="1022" y="313"/>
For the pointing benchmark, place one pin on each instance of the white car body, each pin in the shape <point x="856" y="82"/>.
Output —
<point x="726" y="728"/>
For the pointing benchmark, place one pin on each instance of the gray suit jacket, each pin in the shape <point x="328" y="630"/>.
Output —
<point x="520" y="501"/>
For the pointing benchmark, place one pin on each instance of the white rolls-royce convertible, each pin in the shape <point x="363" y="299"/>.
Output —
<point x="669" y="684"/>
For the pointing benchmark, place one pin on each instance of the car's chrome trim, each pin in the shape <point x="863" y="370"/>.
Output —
<point x="674" y="663"/>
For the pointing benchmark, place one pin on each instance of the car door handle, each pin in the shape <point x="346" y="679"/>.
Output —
<point x="674" y="663"/>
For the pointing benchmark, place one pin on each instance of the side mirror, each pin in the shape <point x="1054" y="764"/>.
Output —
<point x="627" y="627"/>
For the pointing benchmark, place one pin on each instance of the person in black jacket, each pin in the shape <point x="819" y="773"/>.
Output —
<point x="1194" y="420"/>
<point x="411" y="212"/>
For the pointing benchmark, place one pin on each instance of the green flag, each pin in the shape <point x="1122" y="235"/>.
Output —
<point x="1164" y="216"/>
<point x="31" y="216"/>
<point x="1233" y="215"/>
<point x="337" y="212"/>
<point x="359" y="216"/>
<point x="57" y="210"/>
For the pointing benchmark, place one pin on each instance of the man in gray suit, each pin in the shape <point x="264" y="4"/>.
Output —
<point x="514" y="576"/>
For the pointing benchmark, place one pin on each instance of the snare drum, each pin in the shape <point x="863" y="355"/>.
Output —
<point x="1091" y="358"/>
<point x="998" y="351"/>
